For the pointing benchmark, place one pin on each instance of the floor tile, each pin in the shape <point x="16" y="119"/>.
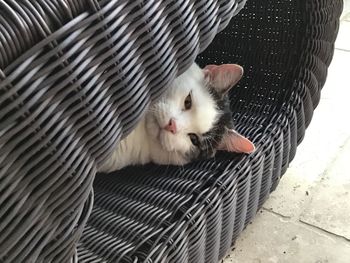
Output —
<point x="346" y="17"/>
<point x="343" y="39"/>
<point x="346" y="11"/>
<point x="291" y="194"/>
<point x="277" y="240"/>
<point x="329" y="207"/>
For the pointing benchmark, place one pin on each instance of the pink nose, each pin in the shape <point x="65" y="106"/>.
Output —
<point x="171" y="126"/>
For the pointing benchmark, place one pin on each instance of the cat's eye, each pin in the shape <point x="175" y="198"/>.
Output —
<point x="194" y="139"/>
<point x="188" y="102"/>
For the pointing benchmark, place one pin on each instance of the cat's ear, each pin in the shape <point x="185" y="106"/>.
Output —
<point x="235" y="142"/>
<point x="223" y="77"/>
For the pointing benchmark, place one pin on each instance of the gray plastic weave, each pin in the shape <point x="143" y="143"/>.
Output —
<point x="75" y="77"/>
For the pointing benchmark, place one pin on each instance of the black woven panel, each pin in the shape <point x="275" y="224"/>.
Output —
<point x="75" y="77"/>
<point x="195" y="213"/>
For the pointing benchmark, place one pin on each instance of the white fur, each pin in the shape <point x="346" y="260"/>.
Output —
<point x="149" y="142"/>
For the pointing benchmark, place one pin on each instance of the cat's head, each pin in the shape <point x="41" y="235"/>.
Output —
<point x="193" y="119"/>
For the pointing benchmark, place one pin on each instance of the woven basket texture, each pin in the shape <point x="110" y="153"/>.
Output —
<point x="75" y="77"/>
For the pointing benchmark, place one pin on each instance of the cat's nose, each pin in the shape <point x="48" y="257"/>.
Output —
<point x="171" y="126"/>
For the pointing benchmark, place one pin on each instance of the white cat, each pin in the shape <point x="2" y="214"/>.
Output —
<point x="191" y="121"/>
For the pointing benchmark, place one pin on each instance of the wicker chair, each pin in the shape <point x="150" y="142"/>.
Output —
<point x="75" y="77"/>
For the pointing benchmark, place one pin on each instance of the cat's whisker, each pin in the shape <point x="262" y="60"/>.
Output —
<point x="153" y="111"/>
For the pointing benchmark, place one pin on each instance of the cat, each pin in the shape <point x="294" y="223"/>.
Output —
<point x="191" y="121"/>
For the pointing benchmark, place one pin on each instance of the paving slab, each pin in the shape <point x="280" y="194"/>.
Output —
<point x="329" y="206"/>
<point x="346" y="11"/>
<point x="272" y="239"/>
<point x="343" y="39"/>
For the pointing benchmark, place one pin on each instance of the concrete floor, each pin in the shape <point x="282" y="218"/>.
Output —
<point x="307" y="219"/>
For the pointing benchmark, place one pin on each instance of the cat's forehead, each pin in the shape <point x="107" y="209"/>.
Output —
<point x="192" y="79"/>
<point x="204" y="110"/>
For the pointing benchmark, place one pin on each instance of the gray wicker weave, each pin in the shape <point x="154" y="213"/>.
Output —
<point x="75" y="77"/>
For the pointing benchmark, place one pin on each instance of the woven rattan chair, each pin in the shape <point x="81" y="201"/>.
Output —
<point x="75" y="77"/>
